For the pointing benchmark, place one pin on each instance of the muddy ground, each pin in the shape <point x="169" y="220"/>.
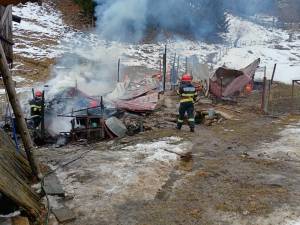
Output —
<point x="239" y="174"/>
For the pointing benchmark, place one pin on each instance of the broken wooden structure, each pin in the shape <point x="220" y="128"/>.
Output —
<point x="88" y="124"/>
<point x="6" y="57"/>
<point x="15" y="175"/>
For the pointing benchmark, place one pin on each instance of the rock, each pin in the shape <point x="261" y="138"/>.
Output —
<point x="64" y="215"/>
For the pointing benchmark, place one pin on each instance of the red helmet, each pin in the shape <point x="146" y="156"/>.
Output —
<point x="38" y="94"/>
<point x="186" y="77"/>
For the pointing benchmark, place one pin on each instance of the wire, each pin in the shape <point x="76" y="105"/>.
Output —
<point x="81" y="156"/>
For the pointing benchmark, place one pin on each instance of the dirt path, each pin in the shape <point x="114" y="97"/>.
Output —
<point x="234" y="177"/>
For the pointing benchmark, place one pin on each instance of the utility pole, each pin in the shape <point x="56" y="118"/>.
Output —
<point x="20" y="120"/>
<point x="164" y="68"/>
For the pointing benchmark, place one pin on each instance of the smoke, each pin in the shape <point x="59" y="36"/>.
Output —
<point x="121" y="19"/>
<point x="130" y="20"/>
<point x="251" y="7"/>
<point x="93" y="69"/>
<point x="90" y="68"/>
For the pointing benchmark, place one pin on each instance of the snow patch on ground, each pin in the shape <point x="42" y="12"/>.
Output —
<point x="286" y="147"/>
<point x="106" y="179"/>
<point x="294" y="223"/>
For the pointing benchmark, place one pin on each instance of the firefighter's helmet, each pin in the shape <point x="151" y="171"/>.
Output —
<point x="38" y="94"/>
<point x="186" y="78"/>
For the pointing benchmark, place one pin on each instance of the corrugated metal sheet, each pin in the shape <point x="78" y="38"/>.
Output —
<point x="226" y="82"/>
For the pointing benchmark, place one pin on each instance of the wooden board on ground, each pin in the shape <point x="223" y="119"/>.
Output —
<point x="225" y="115"/>
<point x="52" y="186"/>
<point x="64" y="215"/>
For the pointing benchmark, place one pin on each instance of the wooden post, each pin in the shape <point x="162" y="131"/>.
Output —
<point x="20" y="120"/>
<point x="273" y="74"/>
<point x="43" y="117"/>
<point x="293" y="86"/>
<point x="119" y="62"/>
<point x="186" y="64"/>
<point x="164" y="68"/>
<point x="263" y="96"/>
<point x="178" y="66"/>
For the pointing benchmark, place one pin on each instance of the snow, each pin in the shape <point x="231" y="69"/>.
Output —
<point x="39" y="24"/>
<point x="294" y="223"/>
<point x="106" y="179"/>
<point x="286" y="147"/>
<point x="271" y="45"/>
<point x="42" y="34"/>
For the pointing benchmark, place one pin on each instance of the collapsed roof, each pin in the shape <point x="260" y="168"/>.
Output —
<point x="226" y="82"/>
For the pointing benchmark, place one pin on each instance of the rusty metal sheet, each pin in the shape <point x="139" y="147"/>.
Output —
<point x="226" y="82"/>
<point x="141" y="104"/>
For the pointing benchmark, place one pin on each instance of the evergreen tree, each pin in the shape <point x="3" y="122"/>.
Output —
<point x="87" y="6"/>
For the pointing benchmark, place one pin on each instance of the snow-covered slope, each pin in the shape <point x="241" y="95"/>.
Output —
<point x="42" y="34"/>
<point x="249" y="41"/>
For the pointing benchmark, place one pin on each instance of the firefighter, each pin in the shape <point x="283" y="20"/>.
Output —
<point x="36" y="105"/>
<point x="188" y="94"/>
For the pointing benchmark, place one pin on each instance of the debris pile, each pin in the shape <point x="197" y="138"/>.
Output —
<point x="72" y="115"/>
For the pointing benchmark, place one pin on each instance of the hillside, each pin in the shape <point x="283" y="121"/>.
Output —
<point x="42" y="38"/>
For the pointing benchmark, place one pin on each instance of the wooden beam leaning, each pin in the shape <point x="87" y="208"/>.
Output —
<point x="20" y="120"/>
<point x="4" y="16"/>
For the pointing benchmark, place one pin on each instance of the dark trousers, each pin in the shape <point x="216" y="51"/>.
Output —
<point x="186" y="107"/>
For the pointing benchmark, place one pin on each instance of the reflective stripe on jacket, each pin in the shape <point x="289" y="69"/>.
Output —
<point x="187" y="92"/>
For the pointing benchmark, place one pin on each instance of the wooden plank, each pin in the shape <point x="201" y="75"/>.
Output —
<point x="52" y="186"/>
<point x="64" y="215"/>
<point x="14" y="171"/>
<point x="4" y="16"/>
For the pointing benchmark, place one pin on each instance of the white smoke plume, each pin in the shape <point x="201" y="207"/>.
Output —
<point x="122" y="19"/>
<point x="93" y="69"/>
